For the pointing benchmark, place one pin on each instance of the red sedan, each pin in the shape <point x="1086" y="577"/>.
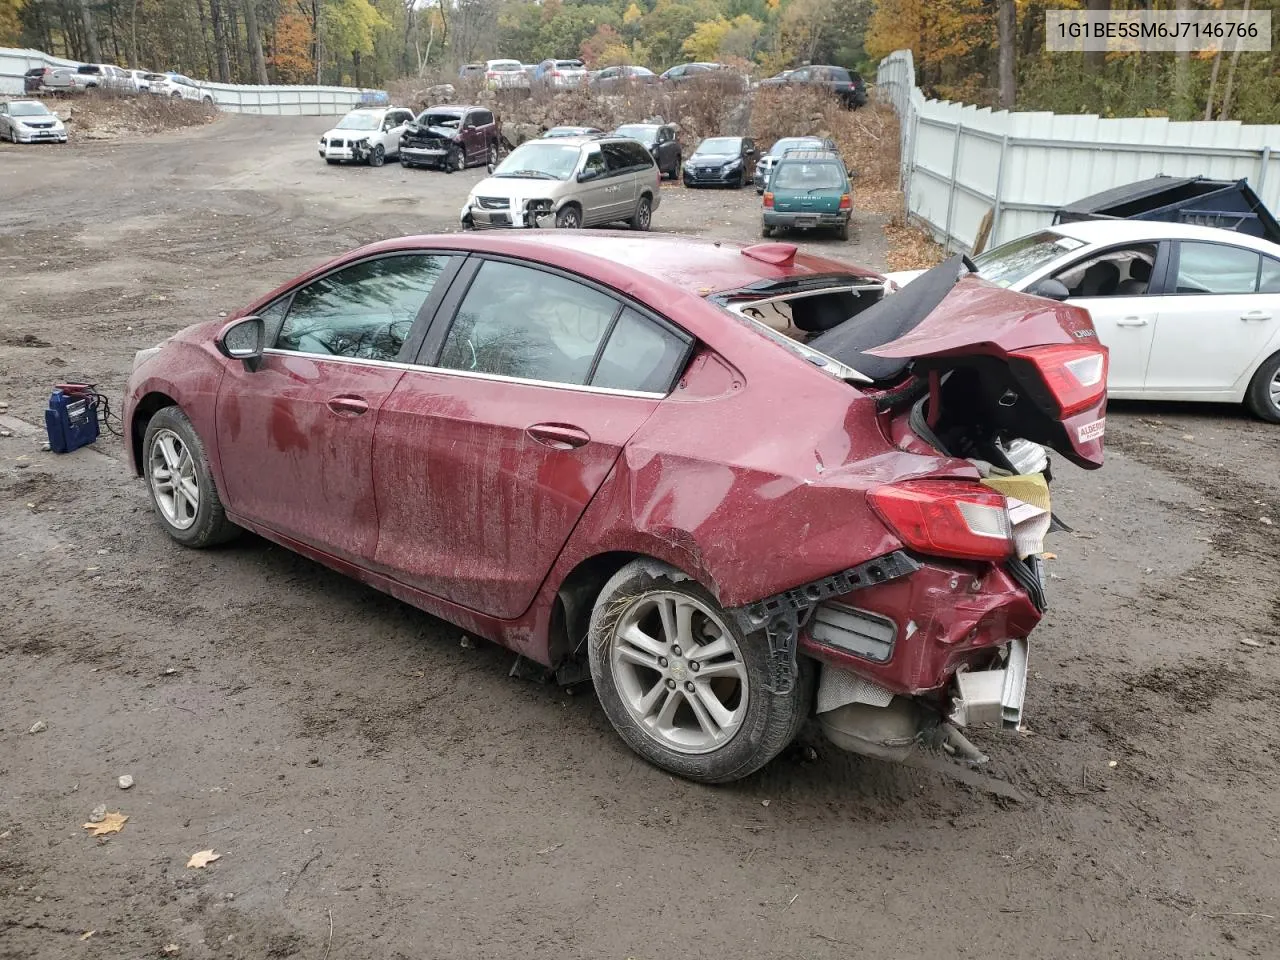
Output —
<point x="598" y="451"/>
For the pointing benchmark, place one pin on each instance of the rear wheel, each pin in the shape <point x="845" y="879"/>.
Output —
<point x="681" y="684"/>
<point x="766" y="231"/>
<point x="644" y="214"/>
<point x="377" y="156"/>
<point x="842" y="231"/>
<point x="1263" y="397"/>
<point x="181" y="484"/>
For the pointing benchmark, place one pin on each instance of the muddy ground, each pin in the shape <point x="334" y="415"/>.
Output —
<point x="377" y="790"/>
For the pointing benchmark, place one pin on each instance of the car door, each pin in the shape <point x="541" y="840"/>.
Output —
<point x="295" y="434"/>
<point x="6" y="125"/>
<point x="531" y="383"/>
<point x="1118" y="287"/>
<point x="595" y="194"/>
<point x="620" y="176"/>
<point x="1220" y="314"/>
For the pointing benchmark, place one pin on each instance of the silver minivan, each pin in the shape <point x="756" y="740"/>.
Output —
<point x="570" y="182"/>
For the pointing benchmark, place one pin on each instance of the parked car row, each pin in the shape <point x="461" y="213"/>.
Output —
<point x="106" y="76"/>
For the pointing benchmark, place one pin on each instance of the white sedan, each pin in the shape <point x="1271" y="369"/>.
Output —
<point x="371" y="136"/>
<point x="30" y="121"/>
<point x="1188" y="312"/>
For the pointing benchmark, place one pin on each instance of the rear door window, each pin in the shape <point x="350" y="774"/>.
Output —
<point x="518" y="321"/>
<point x="639" y="157"/>
<point x="640" y="355"/>
<point x="1216" y="268"/>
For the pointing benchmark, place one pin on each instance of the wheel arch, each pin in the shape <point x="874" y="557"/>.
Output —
<point x="146" y="408"/>
<point x="576" y="596"/>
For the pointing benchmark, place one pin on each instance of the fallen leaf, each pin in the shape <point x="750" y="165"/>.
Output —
<point x="111" y="823"/>
<point x="202" y="859"/>
<point x="1049" y="556"/>
<point x="87" y="934"/>
<point x="170" y="948"/>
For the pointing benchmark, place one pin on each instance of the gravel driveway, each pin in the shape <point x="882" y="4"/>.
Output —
<point x="378" y="788"/>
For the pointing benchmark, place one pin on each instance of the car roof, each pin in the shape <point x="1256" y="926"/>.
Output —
<point x="1130" y="231"/>
<point x="691" y="264"/>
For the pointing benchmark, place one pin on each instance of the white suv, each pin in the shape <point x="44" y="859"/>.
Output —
<point x="366" y="136"/>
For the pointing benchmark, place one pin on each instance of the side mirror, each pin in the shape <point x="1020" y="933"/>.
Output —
<point x="243" y="339"/>
<point x="1051" y="288"/>
<point x="589" y="174"/>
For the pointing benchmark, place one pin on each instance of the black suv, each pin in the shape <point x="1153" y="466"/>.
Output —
<point x="845" y="84"/>
<point x="662" y="141"/>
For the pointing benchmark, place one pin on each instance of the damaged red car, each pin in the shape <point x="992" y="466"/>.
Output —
<point x="601" y="452"/>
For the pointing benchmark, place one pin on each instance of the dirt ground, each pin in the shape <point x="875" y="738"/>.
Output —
<point x="376" y="789"/>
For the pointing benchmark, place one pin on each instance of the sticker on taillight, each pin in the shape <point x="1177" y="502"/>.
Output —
<point x="1091" y="431"/>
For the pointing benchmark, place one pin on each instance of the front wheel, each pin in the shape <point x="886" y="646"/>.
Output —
<point x="681" y="684"/>
<point x="453" y="160"/>
<point x="181" y="484"/>
<point x="377" y="156"/>
<point x="493" y="154"/>
<point x="569" y="218"/>
<point x="1263" y="397"/>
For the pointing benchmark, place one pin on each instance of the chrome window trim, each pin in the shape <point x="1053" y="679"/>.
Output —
<point x="471" y="374"/>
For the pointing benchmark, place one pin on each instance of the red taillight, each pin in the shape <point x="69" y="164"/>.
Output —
<point x="556" y="73"/>
<point x="1076" y="374"/>
<point x="491" y="75"/>
<point x="846" y="202"/>
<point x="946" y="518"/>
<point x="768" y="200"/>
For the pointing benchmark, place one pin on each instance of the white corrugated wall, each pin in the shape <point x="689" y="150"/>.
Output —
<point x="238" y="98"/>
<point x="959" y="162"/>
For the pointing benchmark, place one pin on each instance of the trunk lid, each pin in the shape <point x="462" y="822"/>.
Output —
<point x="1030" y="365"/>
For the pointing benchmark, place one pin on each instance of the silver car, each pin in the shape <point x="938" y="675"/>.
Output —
<point x="569" y="181"/>
<point x="30" y="121"/>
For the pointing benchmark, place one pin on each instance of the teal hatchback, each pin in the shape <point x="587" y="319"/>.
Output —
<point x="808" y="189"/>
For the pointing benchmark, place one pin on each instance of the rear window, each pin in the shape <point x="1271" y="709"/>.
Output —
<point x="791" y="175"/>
<point x="839" y="73"/>
<point x="88" y="68"/>
<point x="569" y="64"/>
<point x="505" y="66"/>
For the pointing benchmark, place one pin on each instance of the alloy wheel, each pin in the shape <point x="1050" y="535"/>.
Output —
<point x="679" y="672"/>
<point x="1274" y="390"/>
<point x="173" y="480"/>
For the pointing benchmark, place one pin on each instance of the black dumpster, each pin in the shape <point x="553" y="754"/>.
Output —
<point x="1229" y="204"/>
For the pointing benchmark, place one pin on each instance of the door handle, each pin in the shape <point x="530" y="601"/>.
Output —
<point x="558" y="436"/>
<point x="348" y="406"/>
<point x="1132" y="322"/>
<point x="1256" y="315"/>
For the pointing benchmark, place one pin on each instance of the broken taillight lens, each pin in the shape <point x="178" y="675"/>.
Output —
<point x="1076" y="374"/>
<point x="768" y="200"/>
<point x="946" y="518"/>
<point x="846" y="202"/>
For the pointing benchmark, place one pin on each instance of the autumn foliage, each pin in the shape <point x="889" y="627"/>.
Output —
<point x="291" y="53"/>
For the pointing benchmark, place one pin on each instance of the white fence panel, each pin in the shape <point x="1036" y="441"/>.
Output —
<point x="237" y="98"/>
<point x="960" y="163"/>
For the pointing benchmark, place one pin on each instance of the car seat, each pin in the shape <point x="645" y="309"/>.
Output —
<point x="1100" y="280"/>
<point x="1139" y="279"/>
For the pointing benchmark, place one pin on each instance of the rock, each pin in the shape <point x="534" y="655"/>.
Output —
<point x="99" y="813"/>
<point x="1250" y="642"/>
<point x="125" y="782"/>
<point x="466" y="643"/>
<point x="38" y="727"/>
<point x="6" y="433"/>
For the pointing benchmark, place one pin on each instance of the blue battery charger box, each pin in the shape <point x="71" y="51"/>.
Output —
<point x="72" y="417"/>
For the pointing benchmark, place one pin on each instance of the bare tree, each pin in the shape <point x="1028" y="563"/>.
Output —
<point x="90" y="32"/>
<point x="1094" y="59"/>
<point x="254" y="40"/>
<point x="1007" y="24"/>
<point x="1225" y="110"/>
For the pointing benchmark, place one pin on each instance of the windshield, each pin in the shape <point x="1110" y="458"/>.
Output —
<point x="637" y="131"/>
<point x="359" y="121"/>
<point x="719" y="147"/>
<point x="506" y="66"/>
<point x="807" y="176"/>
<point x="451" y="120"/>
<point x="1009" y="263"/>
<point x="540" y="160"/>
<point x="28" y="110"/>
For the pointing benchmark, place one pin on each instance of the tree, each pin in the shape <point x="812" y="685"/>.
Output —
<point x="1006" y="18"/>
<point x="10" y="20"/>
<point x="291" y="53"/>
<point x="254" y="39"/>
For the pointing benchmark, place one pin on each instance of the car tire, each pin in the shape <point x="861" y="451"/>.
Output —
<point x="714" y="731"/>
<point x="679" y="165"/>
<point x="643" y="217"/>
<point x="454" y="160"/>
<point x="569" y="217"/>
<point x="378" y="155"/>
<point x="842" y="231"/>
<point x="171" y="445"/>
<point x="331" y="161"/>
<point x="766" y="231"/>
<point x="1263" y="397"/>
<point x="493" y="154"/>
